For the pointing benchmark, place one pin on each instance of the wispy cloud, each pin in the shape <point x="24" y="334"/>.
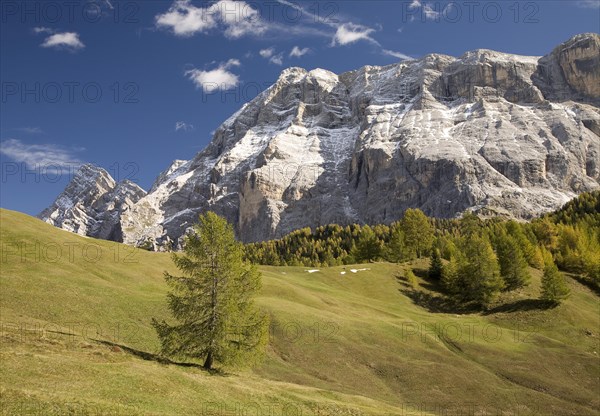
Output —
<point x="220" y="78"/>
<point x="65" y="40"/>
<point x="349" y="33"/>
<point x="395" y="54"/>
<point x="42" y="29"/>
<point x="236" y="19"/>
<point x="36" y="156"/>
<point x="182" y="125"/>
<point x="297" y="52"/>
<point x="29" y="130"/>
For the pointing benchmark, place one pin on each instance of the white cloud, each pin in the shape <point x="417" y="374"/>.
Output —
<point x="65" y="40"/>
<point x="30" y="130"/>
<point x="414" y="5"/>
<point x="349" y="33"/>
<point x="395" y="54"/>
<point x="237" y="18"/>
<point x="426" y="10"/>
<point x="42" y="29"/>
<point x="219" y="78"/>
<point x="39" y="155"/>
<point x="277" y="59"/>
<point x="182" y="125"/>
<point x="267" y="53"/>
<point x="430" y="13"/>
<point x="298" y="52"/>
<point x="240" y="18"/>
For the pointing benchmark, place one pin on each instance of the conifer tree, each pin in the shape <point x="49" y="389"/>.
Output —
<point x="418" y="232"/>
<point x="368" y="247"/>
<point x="554" y="286"/>
<point x="436" y="265"/>
<point x="513" y="266"/>
<point x="213" y="301"/>
<point x="478" y="271"/>
<point x="395" y="251"/>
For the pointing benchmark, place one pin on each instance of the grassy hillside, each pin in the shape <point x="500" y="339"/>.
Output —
<point x="76" y="337"/>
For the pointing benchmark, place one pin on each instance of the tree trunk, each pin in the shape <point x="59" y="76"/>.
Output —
<point x="209" y="361"/>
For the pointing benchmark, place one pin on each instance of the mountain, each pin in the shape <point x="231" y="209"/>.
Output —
<point x="489" y="132"/>
<point x="92" y="204"/>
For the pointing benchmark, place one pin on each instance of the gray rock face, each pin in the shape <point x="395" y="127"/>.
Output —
<point x="92" y="204"/>
<point x="489" y="132"/>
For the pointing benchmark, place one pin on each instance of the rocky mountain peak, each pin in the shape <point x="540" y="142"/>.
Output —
<point x="488" y="132"/>
<point x="92" y="203"/>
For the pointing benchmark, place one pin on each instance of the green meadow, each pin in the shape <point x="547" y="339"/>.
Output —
<point x="346" y="340"/>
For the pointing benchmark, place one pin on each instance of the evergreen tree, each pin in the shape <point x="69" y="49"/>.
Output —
<point x="554" y="286"/>
<point x="478" y="271"/>
<point x="513" y="266"/>
<point x="418" y="232"/>
<point x="368" y="247"/>
<point x="450" y="279"/>
<point x="395" y="250"/>
<point x="436" y="266"/>
<point x="213" y="301"/>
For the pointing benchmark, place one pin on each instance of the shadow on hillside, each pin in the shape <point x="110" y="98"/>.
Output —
<point x="590" y="284"/>
<point x="154" y="357"/>
<point x="434" y="300"/>
<point x="522" y="305"/>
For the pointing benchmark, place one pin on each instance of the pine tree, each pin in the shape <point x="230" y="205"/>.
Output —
<point x="436" y="266"/>
<point x="554" y="286"/>
<point x="213" y="301"/>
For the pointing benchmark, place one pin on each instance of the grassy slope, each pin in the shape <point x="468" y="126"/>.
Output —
<point x="340" y="344"/>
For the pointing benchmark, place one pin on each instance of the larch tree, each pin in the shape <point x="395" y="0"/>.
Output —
<point x="554" y="286"/>
<point x="513" y="265"/>
<point x="418" y="232"/>
<point x="213" y="301"/>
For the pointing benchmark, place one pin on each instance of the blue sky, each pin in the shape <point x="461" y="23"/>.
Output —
<point x="133" y="85"/>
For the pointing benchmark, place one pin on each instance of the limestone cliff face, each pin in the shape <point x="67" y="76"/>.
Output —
<point x="488" y="131"/>
<point x="570" y="72"/>
<point x="92" y="204"/>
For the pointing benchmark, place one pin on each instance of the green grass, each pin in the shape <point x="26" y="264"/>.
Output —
<point x="352" y="344"/>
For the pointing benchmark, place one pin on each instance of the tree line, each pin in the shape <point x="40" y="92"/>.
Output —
<point x="474" y="258"/>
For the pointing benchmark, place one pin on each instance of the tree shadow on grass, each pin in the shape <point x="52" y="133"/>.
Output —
<point x="522" y="305"/>
<point x="144" y="355"/>
<point x="434" y="300"/>
<point x="590" y="284"/>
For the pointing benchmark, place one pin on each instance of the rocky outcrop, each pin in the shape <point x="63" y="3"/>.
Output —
<point x="92" y="204"/>
<point x="488" y="132"/>
<point x="570" y="72"/>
